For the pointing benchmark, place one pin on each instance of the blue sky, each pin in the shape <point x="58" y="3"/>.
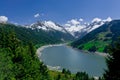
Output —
<point x="60" y="11"/>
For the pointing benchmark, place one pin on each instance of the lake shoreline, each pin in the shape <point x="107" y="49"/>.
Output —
<point x="39" y="53"/>
<point x="39" y="50"/>
<point x="88" y="52"/>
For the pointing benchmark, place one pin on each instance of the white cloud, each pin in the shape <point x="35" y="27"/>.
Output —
<point x="3" y="19"/>
<point x="37" y="15"/>
<point x="96" y="20"/>
<point x="80" y="19"/>
<point x="73" y="22"/>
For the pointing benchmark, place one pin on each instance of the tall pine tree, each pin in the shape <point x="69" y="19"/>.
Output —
<point x="113" y="63"/>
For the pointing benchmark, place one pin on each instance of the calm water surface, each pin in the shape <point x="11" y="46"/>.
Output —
<point x="74" y="60"/>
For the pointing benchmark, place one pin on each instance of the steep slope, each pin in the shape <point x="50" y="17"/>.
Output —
<point x="98" y="39"/>
<point x="37" y="35"/>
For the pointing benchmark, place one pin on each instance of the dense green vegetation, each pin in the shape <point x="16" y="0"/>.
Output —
<point x="19" y="62"/>
<point x="100" y="38"/>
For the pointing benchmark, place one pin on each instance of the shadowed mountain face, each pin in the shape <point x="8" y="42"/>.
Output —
<point x="98" y="39"/>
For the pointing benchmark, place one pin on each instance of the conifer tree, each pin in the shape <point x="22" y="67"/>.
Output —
<point x="113" y="63"/>
<point x="13" y="42"/>
<point x="2" y="38"/>
<point x="31" y="49"/>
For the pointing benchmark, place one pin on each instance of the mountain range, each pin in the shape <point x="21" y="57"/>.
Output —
<point x="74" y="27"/>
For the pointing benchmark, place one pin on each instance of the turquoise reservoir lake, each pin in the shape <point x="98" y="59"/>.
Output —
<point x="74" y="60"/>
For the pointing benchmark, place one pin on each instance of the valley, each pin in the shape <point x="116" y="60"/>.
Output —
<point x="59" y="39"/>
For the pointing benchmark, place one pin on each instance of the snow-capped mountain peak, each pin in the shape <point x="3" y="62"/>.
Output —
<point x="46" y="26"/>
<point x="52" y="25"/>
<point x="97" y="22"/>
<point x="78" y="28"/>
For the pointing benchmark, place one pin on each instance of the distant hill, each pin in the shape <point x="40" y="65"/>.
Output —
<point x="100" y="38"/>
<point x="37" y="36"/>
